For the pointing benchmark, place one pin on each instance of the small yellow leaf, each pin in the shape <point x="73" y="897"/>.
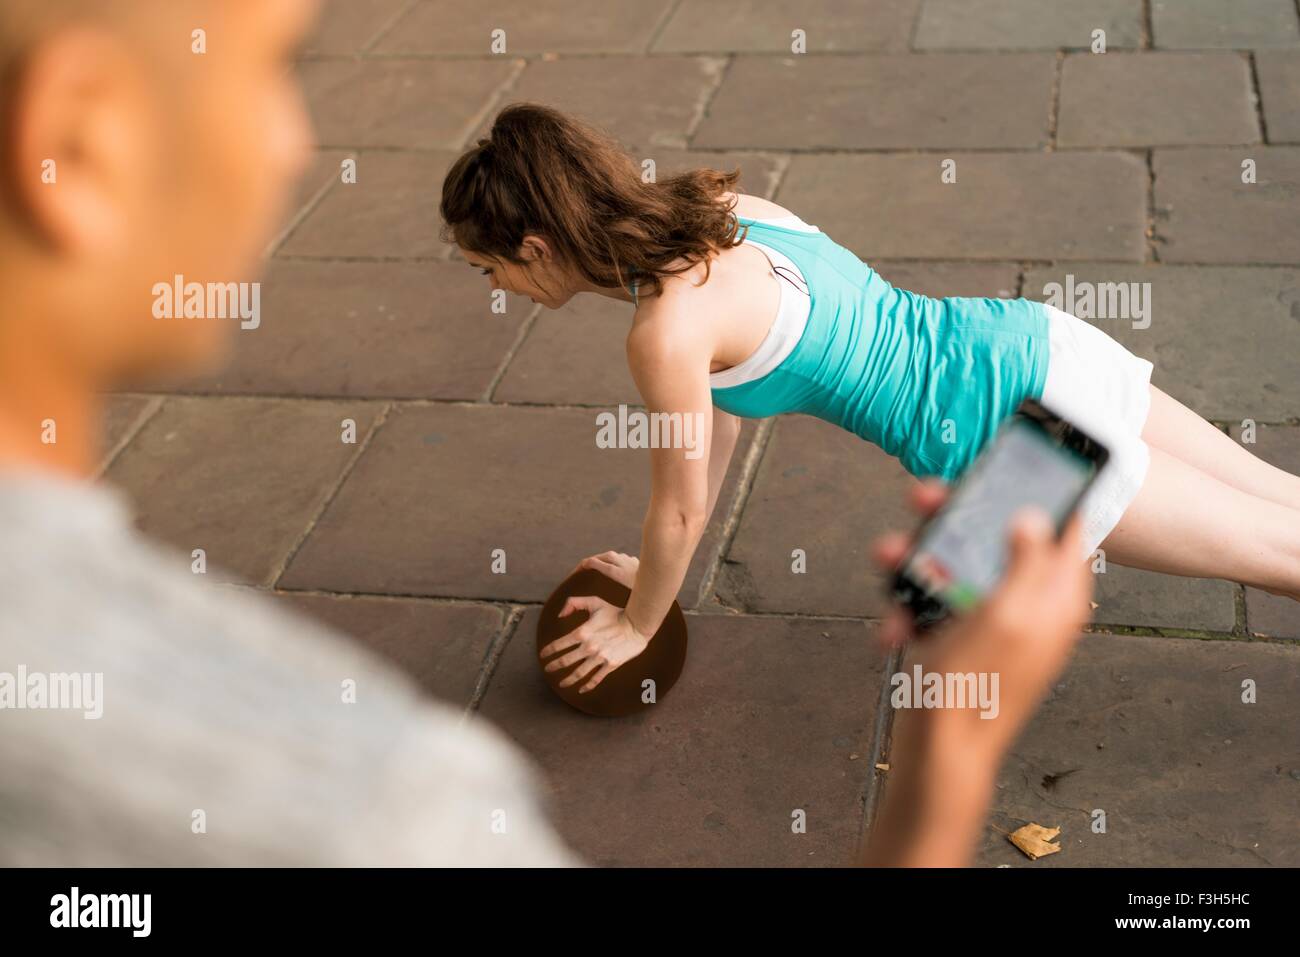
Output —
<point x="1035" y="841"/>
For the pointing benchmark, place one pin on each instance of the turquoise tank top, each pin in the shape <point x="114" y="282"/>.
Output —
<point x="927" y="380"/>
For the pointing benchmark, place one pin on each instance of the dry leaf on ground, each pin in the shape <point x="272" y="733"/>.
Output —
<point x="1035" y="840"/>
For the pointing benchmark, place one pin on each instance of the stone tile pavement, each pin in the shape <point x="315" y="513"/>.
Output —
<point x="383" y="432"/>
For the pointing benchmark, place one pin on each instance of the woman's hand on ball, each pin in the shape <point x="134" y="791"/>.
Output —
<point x="606" y="640"/>
<point x="616" y="565"/>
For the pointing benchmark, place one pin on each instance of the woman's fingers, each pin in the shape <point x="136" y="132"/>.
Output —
<point x="564" y="661"/>
<point x="596" y="678"/>
<point x="563" y="643"/>
<point x="580" y="672"/>
<point x="588" y="603"/>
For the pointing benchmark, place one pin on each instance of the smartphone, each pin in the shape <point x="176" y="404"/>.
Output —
<point x="960" y="553"/>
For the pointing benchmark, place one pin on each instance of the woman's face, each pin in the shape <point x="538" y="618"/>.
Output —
<point x="540" y="278"/>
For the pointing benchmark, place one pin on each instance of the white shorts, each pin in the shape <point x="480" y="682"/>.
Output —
<point x="1095" y="383"/>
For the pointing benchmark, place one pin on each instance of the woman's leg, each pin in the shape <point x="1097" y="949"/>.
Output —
<point x="1186" y="522"/>
<point x="1176" y="429"/>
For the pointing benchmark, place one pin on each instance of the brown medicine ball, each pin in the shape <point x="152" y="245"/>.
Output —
<point x="622" y="690"/>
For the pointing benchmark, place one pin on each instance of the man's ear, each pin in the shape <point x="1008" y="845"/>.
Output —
<point x="78" y="141"/>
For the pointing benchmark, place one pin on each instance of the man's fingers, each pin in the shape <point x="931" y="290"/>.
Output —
<point x="1029" y="535"/>
<point x="1030" y="526"/>
<point x="1069" y="557"/>
<point x="928" y="496"/>
<point x="1071" y="544"/>
<point x="896" y="629"/>
<point x="888" y="550"/>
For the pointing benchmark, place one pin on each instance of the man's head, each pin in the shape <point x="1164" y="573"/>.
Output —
<point x="139" y="140"/>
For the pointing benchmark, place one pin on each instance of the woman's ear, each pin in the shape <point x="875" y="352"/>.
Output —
<point x="536" y="249"/>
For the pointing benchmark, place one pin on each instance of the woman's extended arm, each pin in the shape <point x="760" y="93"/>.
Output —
<point x="670" y="365"/>
<point x="669" y="359"/>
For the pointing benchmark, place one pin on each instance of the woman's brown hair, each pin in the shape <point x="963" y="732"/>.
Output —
<point x="541" y="171"/>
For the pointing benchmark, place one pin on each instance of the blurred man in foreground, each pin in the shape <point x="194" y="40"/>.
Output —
<point x="219" y="733"/>
<point x="128" y="159"/>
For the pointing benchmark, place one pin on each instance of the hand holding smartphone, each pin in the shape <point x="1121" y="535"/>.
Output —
<point x="960" y="552"/>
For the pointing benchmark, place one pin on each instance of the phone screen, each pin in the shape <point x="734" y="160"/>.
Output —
<point x="962" y="553"/>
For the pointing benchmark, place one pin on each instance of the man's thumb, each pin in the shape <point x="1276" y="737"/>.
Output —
<point x="1030" y="531"/>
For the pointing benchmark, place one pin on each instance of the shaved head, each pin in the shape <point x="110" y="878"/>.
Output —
<point x="140" y="140"/>
<point x="24" y="22"/>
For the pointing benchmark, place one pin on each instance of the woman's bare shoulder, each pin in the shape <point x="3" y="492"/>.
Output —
<point x="668" y="325"/>
<point x="755" y="207"/>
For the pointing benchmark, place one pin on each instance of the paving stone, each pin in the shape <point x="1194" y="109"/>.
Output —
<point x="759" y="172"/>
<point x="391" y="211"/>
<point x="440" y="487"/>
<point x="942" y="101"/>
<point x="347" y="27"/>
<point x="1156" y="99"/>
<point x="765" y="26"/>
<point x="574" y="356"/>
<point x="239" y="478"/>
<point x="440" y="645"/>
<point x="1206" y="214"/>
<point x="1271" y="615"/>
<point x="324" y="170"/>
<point x="1223" y="339"/>
<point x="400" y="103"/>
<point x="582" y="26"/>
<point x="611" y="93"/>
<point x="770" y="717"/>
<point x="1002" y="206"/>
<point x="1134" y="597"/>
<point x="825" y="491"/>
<point x="379" y="330"/>
<point x="122" y="415"/>
<point x="1279" y="87"/>
<point x="1027" y="24"/>
<point x="937" y="279"/>
<point x="1206" y="24"/>
<point x="1186" y="774"/>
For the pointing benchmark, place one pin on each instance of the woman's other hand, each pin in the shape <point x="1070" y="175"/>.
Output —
<point x="616" y="565"/>
<point x="600" y="644"/>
